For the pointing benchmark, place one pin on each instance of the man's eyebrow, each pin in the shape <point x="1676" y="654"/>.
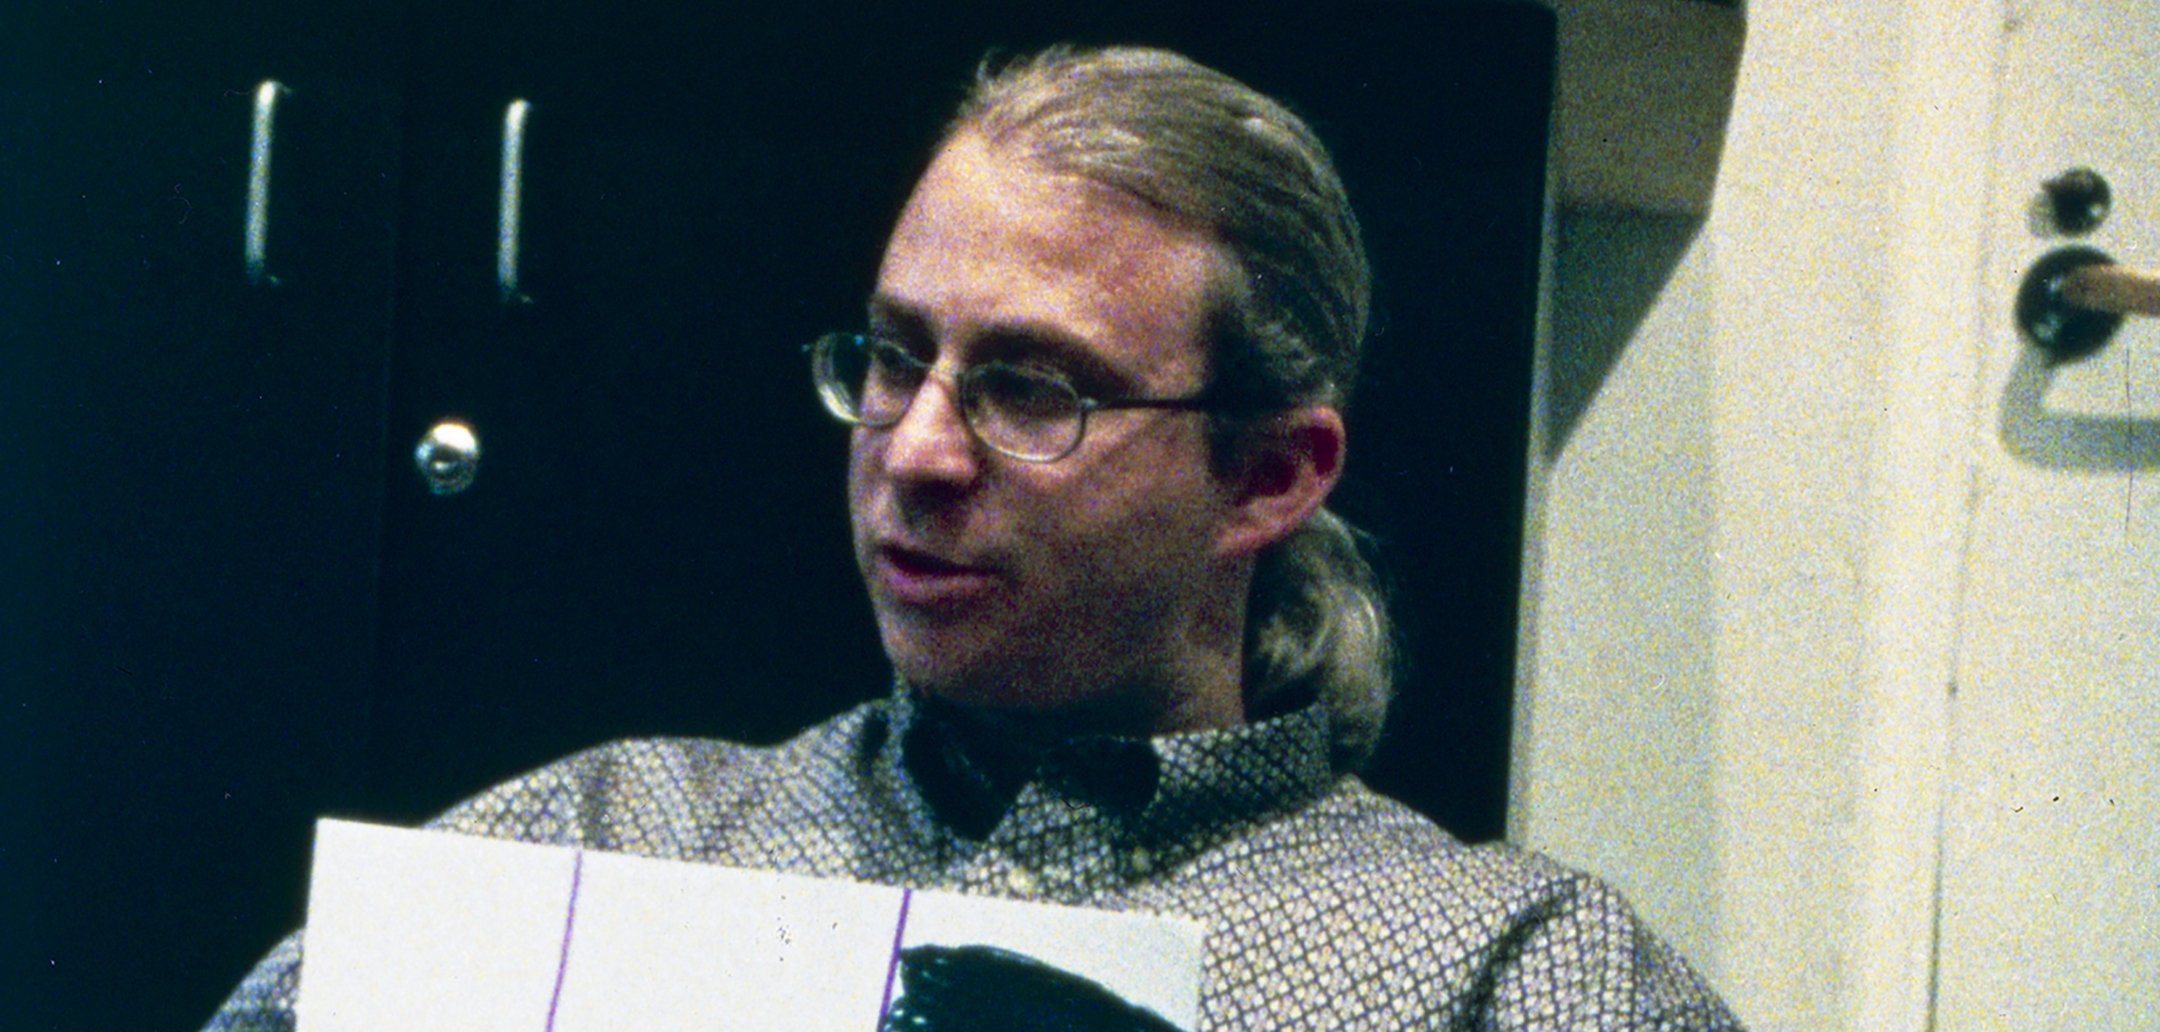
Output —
<point x="1012" y="342"/>
<point x="891" y="314"/>
<point x="1030" y="342"/>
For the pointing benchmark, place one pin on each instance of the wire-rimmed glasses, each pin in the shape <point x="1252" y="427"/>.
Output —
<point x="1026" y="413"/>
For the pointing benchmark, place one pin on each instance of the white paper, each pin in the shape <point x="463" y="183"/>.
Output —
<point x="418" y="930"/>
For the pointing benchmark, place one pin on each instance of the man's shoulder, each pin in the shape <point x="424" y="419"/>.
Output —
<point x="1377" y="847"/>
<point x="1362" y="873"/>
<point x="642" y="794"/>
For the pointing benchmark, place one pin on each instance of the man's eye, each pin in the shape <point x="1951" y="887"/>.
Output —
<point x="888" y="358"/>
<point x="1028" y="394"/>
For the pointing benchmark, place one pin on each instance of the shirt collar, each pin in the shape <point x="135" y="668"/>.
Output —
<point x="1182" y="791"/>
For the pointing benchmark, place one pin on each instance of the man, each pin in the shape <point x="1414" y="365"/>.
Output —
<point x="1097" y="417"/>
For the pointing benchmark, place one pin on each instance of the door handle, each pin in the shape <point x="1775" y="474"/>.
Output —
<point x="510" y="201"/>
<point x="2074" y="299"/>
<point x="448" y="457"/>
<point x="2113" y="288"/>
<point x="256" y="240"/>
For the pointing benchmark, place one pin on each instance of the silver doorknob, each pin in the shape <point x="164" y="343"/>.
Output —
<point x="448" y="457"/>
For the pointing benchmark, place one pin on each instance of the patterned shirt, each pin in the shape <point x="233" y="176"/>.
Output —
<point x="1327" y="906"/>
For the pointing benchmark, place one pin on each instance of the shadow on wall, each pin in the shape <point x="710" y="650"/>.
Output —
<point x="1610" y="266"/>
<point x="1629" y="256"/>
<point x="2066" y="441"/>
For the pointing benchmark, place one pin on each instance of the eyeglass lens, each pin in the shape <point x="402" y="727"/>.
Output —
<point x="1028" y="414"/>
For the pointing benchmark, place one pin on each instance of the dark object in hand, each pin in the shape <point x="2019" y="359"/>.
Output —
<point x="973" y="988"/>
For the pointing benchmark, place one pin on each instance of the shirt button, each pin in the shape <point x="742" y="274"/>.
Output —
<point x="1020" y="882"/>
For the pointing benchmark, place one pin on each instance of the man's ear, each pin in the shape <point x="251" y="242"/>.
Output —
<point x="1279" y="474"/>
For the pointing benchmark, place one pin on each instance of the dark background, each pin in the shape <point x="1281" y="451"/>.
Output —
<point x="227" y="603"/>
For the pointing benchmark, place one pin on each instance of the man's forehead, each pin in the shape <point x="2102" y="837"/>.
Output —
<point x="992" y="245"/>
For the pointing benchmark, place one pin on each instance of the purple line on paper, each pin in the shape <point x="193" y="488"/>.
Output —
<point x="562" y="962"/>
<point x="892" y="967"/>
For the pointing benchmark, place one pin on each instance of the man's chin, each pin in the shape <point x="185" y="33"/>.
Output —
<point x="989" y="689"/>
<point x="957" y="660"/>
<point x="971" y="690"/>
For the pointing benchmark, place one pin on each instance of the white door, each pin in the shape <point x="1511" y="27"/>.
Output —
<point x="2050" y="892"/>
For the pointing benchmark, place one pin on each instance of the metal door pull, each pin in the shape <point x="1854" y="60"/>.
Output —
<point x="2113" y="288"/>
<point x="511" y="200"/>
<point x="256" y="241"/>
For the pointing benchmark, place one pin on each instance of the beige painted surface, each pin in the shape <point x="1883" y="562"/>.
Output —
<point x="1690" y="724"/>
<point x="2051" y="868"/>
<point x="1749" y="540"/>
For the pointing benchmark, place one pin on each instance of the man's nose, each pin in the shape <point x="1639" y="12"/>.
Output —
<point x="932" y="442"/>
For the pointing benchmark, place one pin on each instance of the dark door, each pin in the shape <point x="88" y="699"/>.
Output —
<point x="240" y="584"/>
<point x="190" y="487"/>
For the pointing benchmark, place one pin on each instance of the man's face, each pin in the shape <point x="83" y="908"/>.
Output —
<point x="1084" y="588"/>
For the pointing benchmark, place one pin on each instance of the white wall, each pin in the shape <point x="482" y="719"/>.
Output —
<point x="1736" y="652"/>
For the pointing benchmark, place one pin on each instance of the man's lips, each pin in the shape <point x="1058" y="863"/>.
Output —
<point x="912" y="576"/>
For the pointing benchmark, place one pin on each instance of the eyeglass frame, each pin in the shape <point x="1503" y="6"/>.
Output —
<point x="819" y="351"/>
